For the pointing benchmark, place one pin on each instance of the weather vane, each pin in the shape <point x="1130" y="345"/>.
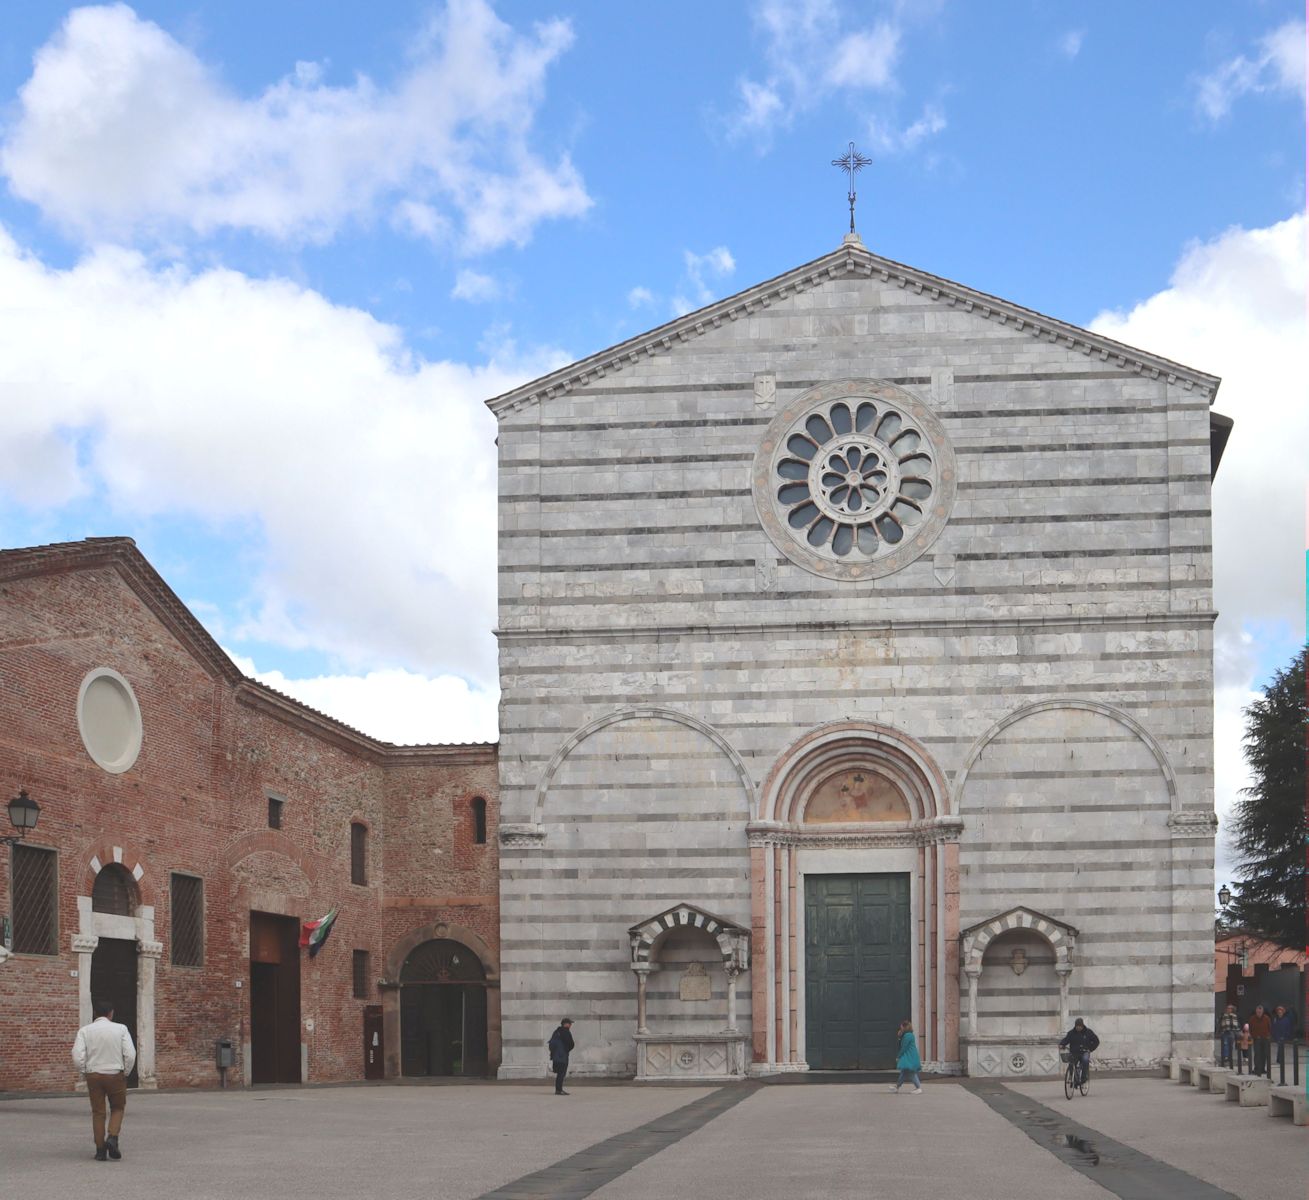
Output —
<point x="851" y="164"/>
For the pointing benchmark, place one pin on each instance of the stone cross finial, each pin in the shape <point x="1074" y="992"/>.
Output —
<point x="851" y="163"/>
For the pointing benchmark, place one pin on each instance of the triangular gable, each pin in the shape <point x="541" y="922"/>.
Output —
<point x="852" y="258"/>
<point x="122" y="554"/>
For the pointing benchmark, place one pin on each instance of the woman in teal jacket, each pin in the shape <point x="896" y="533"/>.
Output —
<point x="907" y="1058"/>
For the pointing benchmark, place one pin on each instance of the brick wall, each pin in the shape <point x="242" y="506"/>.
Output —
<point x="195" y="801"/>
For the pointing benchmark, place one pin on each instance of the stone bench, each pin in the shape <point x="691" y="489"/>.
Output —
<point x="1249" y="1091"/>
<point x="1289" y="1102"/>
<point x="1212" y="1079"/>
<point x="1187" y="1070"/>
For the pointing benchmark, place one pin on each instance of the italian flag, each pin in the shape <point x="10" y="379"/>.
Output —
<point x="314" y="933"/>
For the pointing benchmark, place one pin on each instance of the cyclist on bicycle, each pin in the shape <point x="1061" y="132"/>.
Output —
<point x="1080" y="1040"/>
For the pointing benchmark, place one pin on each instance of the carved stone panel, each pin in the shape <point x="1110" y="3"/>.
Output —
<point x="695" y="983"/>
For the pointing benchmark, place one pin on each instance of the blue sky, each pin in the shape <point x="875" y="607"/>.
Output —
<point x="260" y="264"/>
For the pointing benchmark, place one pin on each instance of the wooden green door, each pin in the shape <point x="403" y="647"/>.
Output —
<point x="856" y="969"/>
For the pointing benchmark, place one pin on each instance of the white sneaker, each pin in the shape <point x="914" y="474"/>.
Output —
<point x="917" y="1092"/>
<point x="895" y="1087"/>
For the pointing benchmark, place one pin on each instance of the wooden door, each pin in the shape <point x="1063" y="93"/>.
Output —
<point x="374" y="1046"/>
<point x="274" y="999"/>
<point x="856" y="969"/>
<point x="113" y="978"/>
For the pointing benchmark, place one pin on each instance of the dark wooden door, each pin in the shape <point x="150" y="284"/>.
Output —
<point x="443" y="1029"/>
<point x="856" y="969"/>
<point x="274" y="999"/>
<point x="374" y="1046"/>
<point x="113" y="978"/>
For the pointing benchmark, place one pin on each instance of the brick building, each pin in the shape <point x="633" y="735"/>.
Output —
<point x="190" y="819"/>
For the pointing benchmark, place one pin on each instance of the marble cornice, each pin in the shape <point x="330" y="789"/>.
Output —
<point x="848" y="259"/>
<point x="855" y="835"/>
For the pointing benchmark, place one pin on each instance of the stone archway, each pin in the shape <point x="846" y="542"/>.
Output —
<point x="130" y="886"/>
<point x="863" y="806"/>
<point x="443" y="1026"/>
<point x="485" y="977"/>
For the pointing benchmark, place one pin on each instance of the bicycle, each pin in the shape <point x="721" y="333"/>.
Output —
<point x="1075" y="1080"/>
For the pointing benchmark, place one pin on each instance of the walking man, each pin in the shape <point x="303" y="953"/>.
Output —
<point x="104" y="1053"/>
<point x="561" y="1043"/>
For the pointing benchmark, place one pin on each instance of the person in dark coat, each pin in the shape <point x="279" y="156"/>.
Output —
<point x="1261" y="1029"/>
<point x="1283" y="1032"/>
<point x="1080" y="1040"/>
<point x="561" y="1044"/>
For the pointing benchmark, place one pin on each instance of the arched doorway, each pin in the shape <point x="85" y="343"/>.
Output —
<point x="442" y="1011"/>
<point x="113" y="962"/>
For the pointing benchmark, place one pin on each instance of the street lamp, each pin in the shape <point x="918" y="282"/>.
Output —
<point x="24" y="812"/>
<point x="1224" y="895"/>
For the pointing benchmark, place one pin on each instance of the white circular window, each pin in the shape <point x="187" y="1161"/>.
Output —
<point x="109" y="720"/>
<point x="854" y="480"/>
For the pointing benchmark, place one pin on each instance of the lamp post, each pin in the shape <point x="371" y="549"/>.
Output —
<point x="24" y="812"/>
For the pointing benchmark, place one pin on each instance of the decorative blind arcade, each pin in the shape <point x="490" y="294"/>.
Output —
<point x="35" y="900"/>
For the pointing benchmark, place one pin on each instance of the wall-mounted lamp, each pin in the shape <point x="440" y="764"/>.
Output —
<point x="24" y="812"/>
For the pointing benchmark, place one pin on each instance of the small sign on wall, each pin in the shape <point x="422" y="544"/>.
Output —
<point x="695" y="983"/>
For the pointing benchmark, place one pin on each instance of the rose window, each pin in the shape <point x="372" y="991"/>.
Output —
<point x="857" y="485"/>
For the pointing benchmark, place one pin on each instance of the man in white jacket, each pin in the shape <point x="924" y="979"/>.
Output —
<point x="104" y="1053"/>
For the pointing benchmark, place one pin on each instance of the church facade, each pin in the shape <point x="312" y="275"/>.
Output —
<point x="856" y="663"/>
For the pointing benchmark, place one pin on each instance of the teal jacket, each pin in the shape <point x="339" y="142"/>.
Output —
<point x="907" y="1059"/>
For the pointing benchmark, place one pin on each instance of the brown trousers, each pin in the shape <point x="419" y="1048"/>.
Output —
<point x="114" y="1089"/>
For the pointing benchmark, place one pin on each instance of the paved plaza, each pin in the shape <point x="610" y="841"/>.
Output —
<point x="1132" y="1137"/>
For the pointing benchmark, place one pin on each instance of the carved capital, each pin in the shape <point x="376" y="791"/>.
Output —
<point x="5" y="954"/>
<point x="149" y="949"/>
<point x="973" y="970"/>
<point x="85" y="943"/>
<point x="1193" y="823"/>
<point x="522" y="837"/>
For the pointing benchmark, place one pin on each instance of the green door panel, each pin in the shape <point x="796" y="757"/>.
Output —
<point x="856" y="969"/>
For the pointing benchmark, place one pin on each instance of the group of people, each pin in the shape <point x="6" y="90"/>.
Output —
<point x="1254" y="1038"/>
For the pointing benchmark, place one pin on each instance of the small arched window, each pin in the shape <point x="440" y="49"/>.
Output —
<point x="112" y="892"/>
<point x="479" y="821"/>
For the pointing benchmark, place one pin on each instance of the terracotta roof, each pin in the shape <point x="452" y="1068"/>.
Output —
<point x="121" y="553"/>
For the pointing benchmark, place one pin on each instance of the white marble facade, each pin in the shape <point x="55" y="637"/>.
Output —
<point x="1023" y="679"/>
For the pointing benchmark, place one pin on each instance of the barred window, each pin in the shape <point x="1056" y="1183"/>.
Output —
<point x="112" y="891"/>
<point x="274" y="813"/>
<point x="359" y="853"/>
<point x="188" y="920"/>
<point x="360" y="968"/>
<point x="35" y="900"/>
<point x="479" y="821"/>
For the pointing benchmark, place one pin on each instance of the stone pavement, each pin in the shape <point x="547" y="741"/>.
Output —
<point x="1132" y="1137"/>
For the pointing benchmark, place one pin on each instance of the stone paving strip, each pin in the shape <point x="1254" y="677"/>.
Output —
<point x="590" y="1169"/>
<point x="1243" y="1150"/>
<point x="1116" y="1167"/>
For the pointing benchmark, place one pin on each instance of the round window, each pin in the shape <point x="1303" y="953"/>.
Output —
<point x="109" y="720"/>
<point x="854" y="480"/>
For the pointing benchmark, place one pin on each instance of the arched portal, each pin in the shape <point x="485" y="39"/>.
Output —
<point x="114" y="975"/>
<point x="443" y="1010"/>
<point x="856" y="909"/>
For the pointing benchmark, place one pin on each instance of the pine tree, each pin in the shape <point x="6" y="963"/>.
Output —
<point x="1268" y="822"/>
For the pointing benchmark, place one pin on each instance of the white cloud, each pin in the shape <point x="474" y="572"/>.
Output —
<point x="1278" y="65"/>
<point x="394" y="705"/>
<point x="640" y="297"/>
<point x="368" y="471"/>
<point x="475" y="287"/>
<point x="813" y="50"/>
<point x="122" y="131"/>
<point x="889" y="140"/>
<point x="1070" y="45"/>
<point x="1236" y="307"/>
<point x="701" y="271"/>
